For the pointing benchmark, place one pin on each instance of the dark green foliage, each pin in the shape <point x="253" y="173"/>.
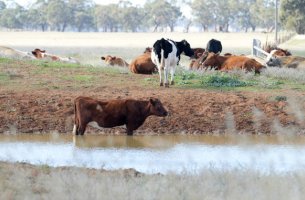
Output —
<point x="293" y="15"/>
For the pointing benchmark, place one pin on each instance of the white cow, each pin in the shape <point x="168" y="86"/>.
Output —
<point x="166" y="55"/>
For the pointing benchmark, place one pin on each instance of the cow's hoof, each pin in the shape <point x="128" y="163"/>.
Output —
<point x="172" y="82"/>
<point x="166" y="85"/>
<point x="161" y="84"/>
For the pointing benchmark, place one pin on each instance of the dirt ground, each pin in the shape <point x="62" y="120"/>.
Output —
<point x="191" y="111"/>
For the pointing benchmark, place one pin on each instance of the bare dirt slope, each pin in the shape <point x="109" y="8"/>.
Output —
<point x="191" y="111"/>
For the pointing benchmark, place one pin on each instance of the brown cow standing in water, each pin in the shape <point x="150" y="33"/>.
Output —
<point x="225" y="63"/>
<point x="113" y="113"/>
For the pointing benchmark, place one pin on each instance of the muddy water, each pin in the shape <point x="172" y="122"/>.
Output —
<point x="159" y="154"/>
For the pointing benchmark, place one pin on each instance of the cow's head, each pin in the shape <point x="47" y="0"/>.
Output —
<point x="211" y="60"/>
<point x="273" y="61"/>
<point x="110" y="60"/>
<point x="39" y="53"/>
<point x="186" y="48"/>
<point x="156" y="107"/>
<point x="148" y="50"/>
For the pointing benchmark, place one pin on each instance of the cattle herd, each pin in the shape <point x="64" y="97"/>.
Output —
<point x="163" y="58"/>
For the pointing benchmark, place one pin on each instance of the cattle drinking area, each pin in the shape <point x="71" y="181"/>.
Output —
<point x="159" y="154"/>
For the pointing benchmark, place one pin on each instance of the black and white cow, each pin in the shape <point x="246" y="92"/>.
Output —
<point x="214" y="46"/>
<point x="166" y="55"/>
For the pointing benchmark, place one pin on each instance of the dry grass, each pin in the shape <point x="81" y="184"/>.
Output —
<point x="22" y="181"/>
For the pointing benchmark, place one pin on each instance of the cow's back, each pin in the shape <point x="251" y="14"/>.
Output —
<point x="142" y="65"/>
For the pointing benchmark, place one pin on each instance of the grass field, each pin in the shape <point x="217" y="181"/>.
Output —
<point x="89" y="47"/>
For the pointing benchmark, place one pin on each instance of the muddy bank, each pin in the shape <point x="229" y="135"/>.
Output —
<point x="190" y="111"/>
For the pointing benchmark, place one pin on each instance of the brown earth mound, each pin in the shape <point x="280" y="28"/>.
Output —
<point x="191" y="111"/>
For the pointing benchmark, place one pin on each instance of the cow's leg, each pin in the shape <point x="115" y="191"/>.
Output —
<point x="129" y="132"/>
<point x="82" y="128"/>
<point x="75" y="129"/>
<point x="173" y="68"/>
<point x="160" y="74"/>
<point x="166" y="73"/>
<point x="129" y="129"/>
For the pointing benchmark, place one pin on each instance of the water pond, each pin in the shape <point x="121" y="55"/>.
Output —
<point x="159" y="154"/>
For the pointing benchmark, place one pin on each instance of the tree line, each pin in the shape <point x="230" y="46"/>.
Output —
<point x="153" y="15"/>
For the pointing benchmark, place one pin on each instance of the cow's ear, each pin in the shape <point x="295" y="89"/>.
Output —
<point x="103" y="58"/>
<point x="152" y="101"/>
<point x="43" y="51"/>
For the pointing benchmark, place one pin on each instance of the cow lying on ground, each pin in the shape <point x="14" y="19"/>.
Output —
<point x="287" y="62"/>
<point x="225" y="63"/>
<point x="196" y="64"/>
<point x="113" y="113"/>
<point x="276" y="51"/>
<point x="212" y="46"/>
<point x="41" y="54"/>
<point x="166" y="55"/>
<point x="113" y="60"/>
<point x="8" y="52"/>
<point x="143" y="64"/>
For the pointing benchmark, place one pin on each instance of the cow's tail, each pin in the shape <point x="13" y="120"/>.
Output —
<point x="162" y="61"/>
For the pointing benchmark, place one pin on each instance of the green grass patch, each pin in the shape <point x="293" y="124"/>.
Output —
<point x="4" y="77"/>
<point x="220" y="79"/>
<point x="6" y="60"/>
<point x="53" y="64"/>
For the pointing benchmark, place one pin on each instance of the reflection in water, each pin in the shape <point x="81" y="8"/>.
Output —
<point x="158" y="154"/>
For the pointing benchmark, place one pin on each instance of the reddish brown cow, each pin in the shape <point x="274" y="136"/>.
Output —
<point x="113" y="60"/>
<point x="198" y="52"/>
<point x="225" y="63"/>
<point x="143" y="64"/>
<point x="276" y="51"/>
<point x="113" y="113"/>
<point x="196" y="64"/>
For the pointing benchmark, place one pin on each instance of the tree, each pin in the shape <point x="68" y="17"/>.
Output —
<point x="203" y="13"/>
<point x="2" y="5"/>
<point x="36" y="15"/>
<point x="266" y="14"/>
<point x="11" y="18"/>
<point x="292" y="15"/>
<point x="247" y="14"/>
<point x="107" y="17"/>
<point x="132" y="18"/>
<point x="162" y="14"/>
<point x="59" y="15"/>
<point x="82" y="14"/>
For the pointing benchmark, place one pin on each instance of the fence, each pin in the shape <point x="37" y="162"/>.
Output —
<point x="257" y="49"/>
